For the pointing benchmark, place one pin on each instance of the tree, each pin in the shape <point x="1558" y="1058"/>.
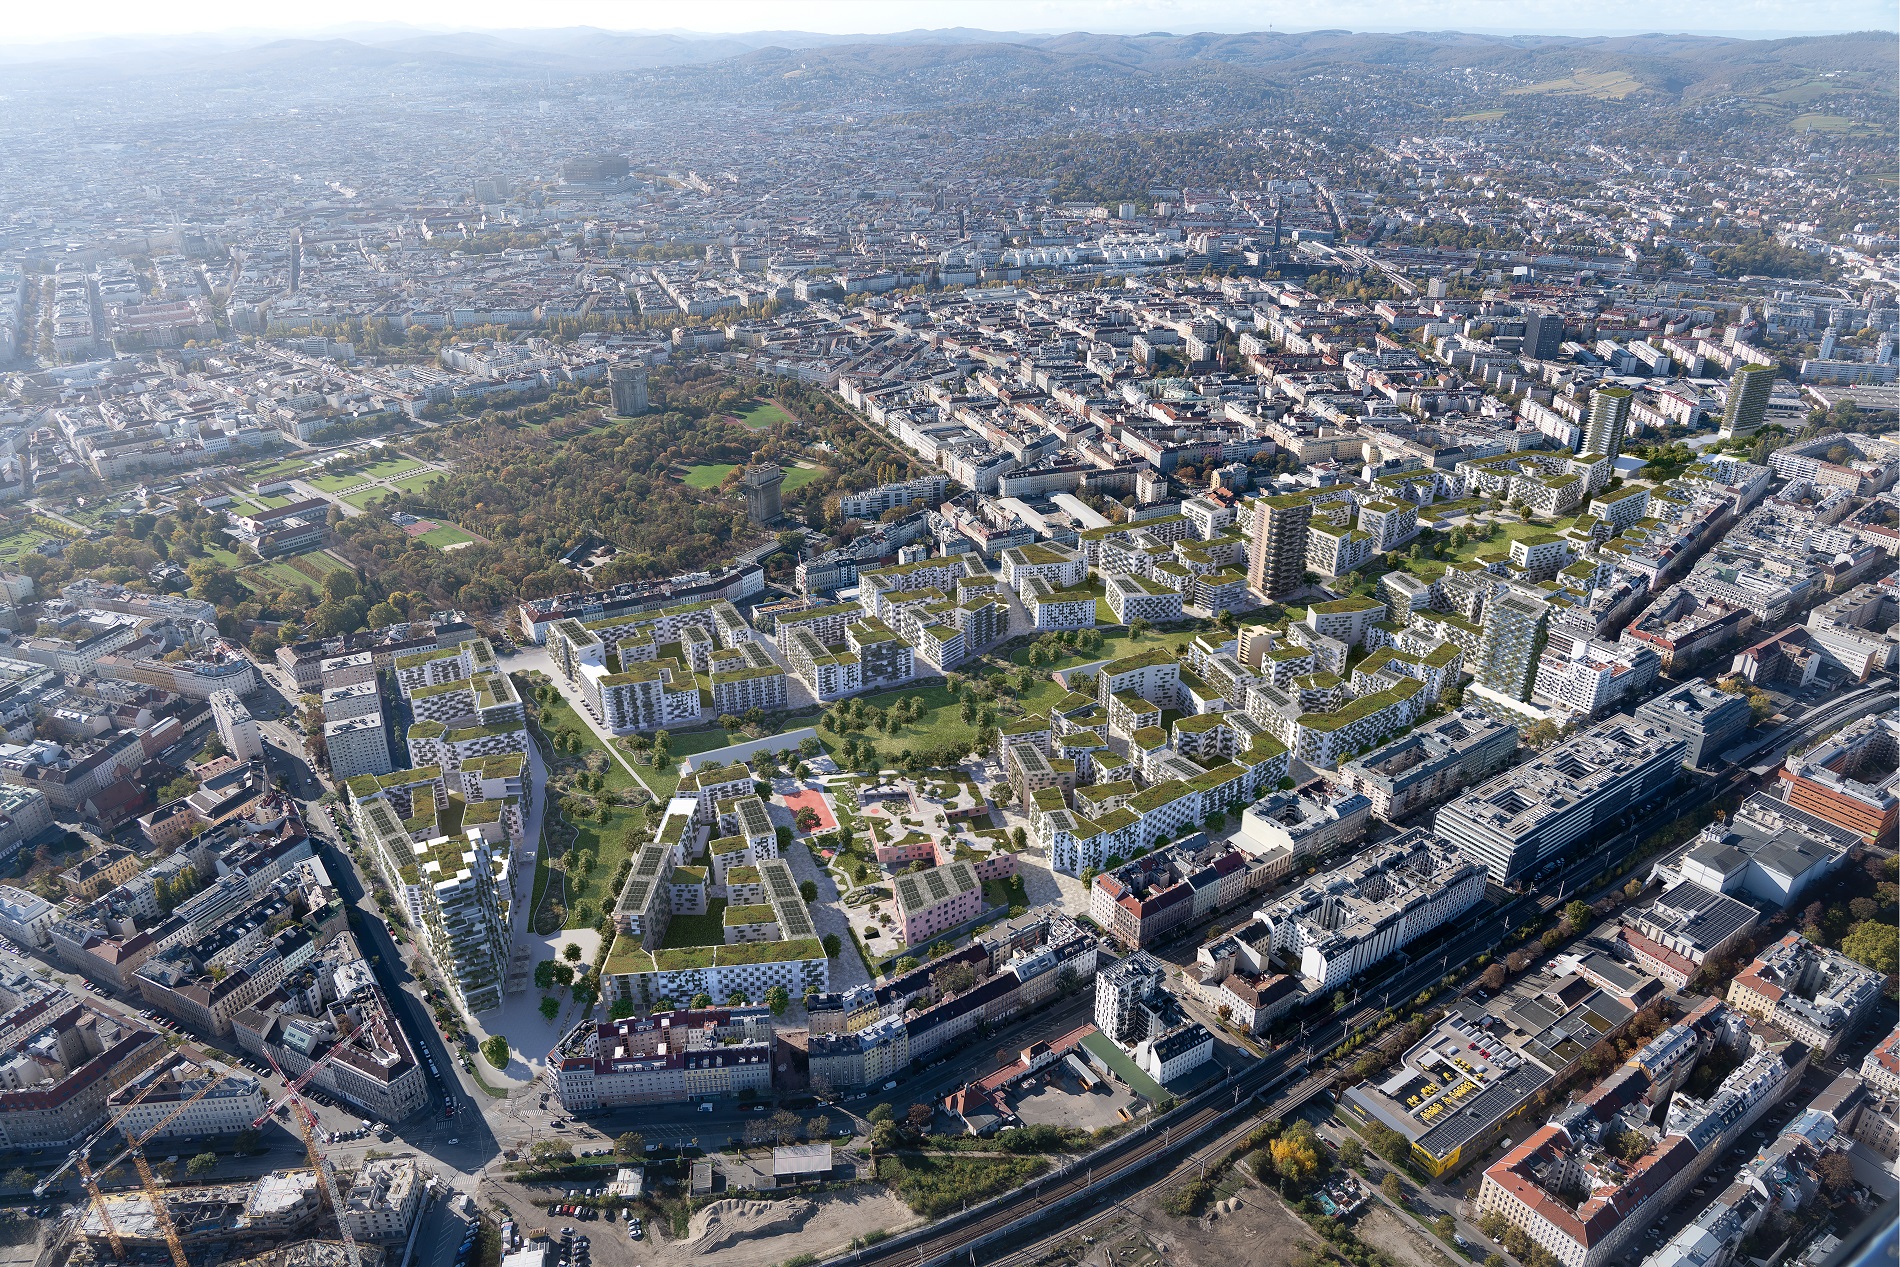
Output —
<point x="1577" y="916"/>
<point x="202" y="1164"/>
<point x="1019" y="838"/>
<point x="495" y="1051"/>
<point x="21" y="1178"/>
<point x="1875" y="944"/>
<point x="630" y="1144"/>
<point x="884" y="1136"/>
<point x="1444" y="1226"/>
<point x="808" y="889"/>
<point x="1632" y="890"/>
<point x="832" y="945"/>
<point x="1394" y="1190"/>
<point x="1352" y="1154"/>
<point x="1295" y="1158"/>
<point x="1493" y="978"/>
<point x="1837" y="1172"/>
<point x="571" y="952"/>
<point x="550" y="1007"/>
<point x="778" y="998"/>
<point x="544" y="975"/>
<point x="880" y="1113"/>
<point x="700" y="1002"/>
<point x="1492" y="1224"/>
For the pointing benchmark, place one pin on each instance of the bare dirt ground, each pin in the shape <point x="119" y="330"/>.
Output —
<point x="833" y="1221"/>
<point x="1261" y="1232"/>
<point x="1382" y="1229"/>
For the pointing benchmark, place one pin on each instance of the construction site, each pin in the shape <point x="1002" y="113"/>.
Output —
<point x="289" y="1218"/>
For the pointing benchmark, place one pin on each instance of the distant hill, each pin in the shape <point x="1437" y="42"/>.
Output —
<point x="1681" y="67"/>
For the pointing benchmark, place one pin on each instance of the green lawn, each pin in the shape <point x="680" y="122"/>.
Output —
<point x="666" y="782"/>
<point x="560" y="716"/>
<point x="392" y="468"/>
<point x="697" y="930"/>
<point x="1512" y="531"/>
<point x="282" y="469"/>
<point x="708" y="475"/>
<point x="367" y="497"/>
<point x="608" y="842"/>
<point x="444" y="535"/>
<point x="277" y="574"/>
<point x="943" y="722"/>
<point x="416" y="483"/>
<point x="324" y="562"/>
<point x="334" y="483"/>
<point x="1116" y="645"/>
<point x="763" y="414"/>
<point x="798" y="477"/>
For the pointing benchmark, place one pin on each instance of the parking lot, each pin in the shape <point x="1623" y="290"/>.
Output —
<point x="1061" y="1101"/>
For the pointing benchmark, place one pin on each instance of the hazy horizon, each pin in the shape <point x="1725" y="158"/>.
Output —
<point x="227" y="19"/>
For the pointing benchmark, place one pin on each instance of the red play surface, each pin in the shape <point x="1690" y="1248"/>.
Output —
<point x="800" y="800"/>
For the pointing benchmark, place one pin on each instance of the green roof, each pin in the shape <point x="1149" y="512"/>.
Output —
<point x="1340" y="606"/>
<point x="1364" y="706"/>
<point x="1160" y="794"/>
<point x="756" y="913"/>
<point x="1146" y="659"/>
<point x="769" y="951"/>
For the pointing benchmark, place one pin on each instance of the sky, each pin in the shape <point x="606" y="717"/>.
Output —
<point x="45" y="23"/>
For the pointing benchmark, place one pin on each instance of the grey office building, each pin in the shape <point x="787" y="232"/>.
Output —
<point x="1524" y="818"/>
<point x="1709" y="721"/>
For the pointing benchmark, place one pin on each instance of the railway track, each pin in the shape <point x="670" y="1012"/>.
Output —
<point x="971" y="1237"/>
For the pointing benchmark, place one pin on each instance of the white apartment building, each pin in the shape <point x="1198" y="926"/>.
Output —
<point x="1343" y="921"/>
<point x="237" y="729"/>
<point x="357" y="699"/>
<point x="383" y="1202"/>
<point x="357" y="745"/>
<point x="26" y="918"/>
<point x="229" y="1106"/>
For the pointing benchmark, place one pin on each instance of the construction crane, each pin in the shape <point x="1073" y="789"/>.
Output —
<point x="326" y="1172"/>
<point x="159" y="1212"/>
<point x="134" y="1150"/>
<point x="78" y="1156"/>
<point x="291" y="1089"/>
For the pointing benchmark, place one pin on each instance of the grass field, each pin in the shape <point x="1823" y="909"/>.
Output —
<point x="392" y="468"/>
<point x="697" y="930"/>
<point x="763" y="414"/>
<point x="1512" y="532"/>
<point x="1482" y="116"/>
<point x="798" y="477"/>
<point x="708" y="474"/>
<point x="444" y="535"/>
<point x="665" y="782"/>
<point x="608" y="842"/>
<point x="1826" y="123"/>
<point x="15" y="544"/>
<point x="334" y="483"/>
<point x="368" y="497"/>
<point x="1115" y="646"/>
<point x="416" y="483"/>
<point x="1605" y="85"/>
<point x="282" y="469"/>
